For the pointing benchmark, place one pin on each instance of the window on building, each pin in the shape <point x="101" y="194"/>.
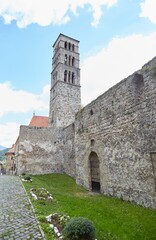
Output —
<point x="65" y="76"/>
<point x="92" y="142"/>
<point x="65" y="59"/>
<point x="69" y="77"/>
<point x="73" y="47"/>
<point x="91" y="112"/>
<point x="69" y="46"/>
<point x="69" y="60"/>
<point x="73" y="77"/>
<point x="73" y="61"/>
<point x="65" y="45"/>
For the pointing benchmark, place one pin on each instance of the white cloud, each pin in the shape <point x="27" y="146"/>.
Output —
<point x="148" y="9"/>
<point x="19" y="101"/>
<point x="118" y="60"/>
<point x="47" y="12"/>
<point x="9" y="133"/>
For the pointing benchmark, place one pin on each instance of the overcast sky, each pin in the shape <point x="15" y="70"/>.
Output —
<point x="117" y="37"/>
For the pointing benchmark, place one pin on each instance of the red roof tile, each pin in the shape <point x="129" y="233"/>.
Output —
<point x="39" y="121"/>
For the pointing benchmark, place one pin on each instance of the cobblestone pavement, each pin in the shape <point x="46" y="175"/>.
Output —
<point x="17" y="220"/>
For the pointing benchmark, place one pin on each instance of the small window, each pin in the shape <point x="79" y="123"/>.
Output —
<point x="73" y="47"/>
<point x="65" y="59"/>
<point x="92" y="142"/>
<point x="91" y="112"/>
<point x="65" y="45"/>
<point x="69" y="60"/>
<point x="69" y="77"/>
<point x="65" y="76"/>
<point x="73" y="61"/>
<point x="69" y="46"/>
<point x="73" y="76"/>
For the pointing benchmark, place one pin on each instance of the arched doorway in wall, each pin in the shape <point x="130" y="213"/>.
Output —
<point x="94" y="172"/>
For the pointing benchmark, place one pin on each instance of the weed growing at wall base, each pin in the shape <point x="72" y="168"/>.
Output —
<point x="113" y="218"/>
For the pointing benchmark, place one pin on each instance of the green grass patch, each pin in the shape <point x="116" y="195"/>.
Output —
<point x="113" y="218"/>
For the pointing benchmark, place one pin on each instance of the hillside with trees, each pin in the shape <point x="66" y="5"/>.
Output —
<point x="2" y="153"/>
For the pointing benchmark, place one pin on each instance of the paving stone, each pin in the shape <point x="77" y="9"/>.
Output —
<point x="17" y="220"/>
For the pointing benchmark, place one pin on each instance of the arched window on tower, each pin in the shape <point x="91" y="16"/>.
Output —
<point x="65" y="59"/>
<point x="73" y="77"/>
<point x="73" y="61"/>
<point x="73" y="47"/>
<point x="69" y="60"/>
<point x="65" y="45"/>
<point x="65" y="76"/>
<point x="69" y="76"/>
<point x="69" y="46"/>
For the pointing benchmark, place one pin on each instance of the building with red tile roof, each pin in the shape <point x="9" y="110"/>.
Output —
<point x="39" y="121"/>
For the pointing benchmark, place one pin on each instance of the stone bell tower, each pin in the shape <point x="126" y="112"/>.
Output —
<point x="65" y="94"/>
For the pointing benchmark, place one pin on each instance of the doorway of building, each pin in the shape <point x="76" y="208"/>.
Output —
<point x="94" y="172"/>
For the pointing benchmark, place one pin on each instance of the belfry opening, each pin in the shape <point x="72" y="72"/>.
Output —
<point x="94" y="172"/>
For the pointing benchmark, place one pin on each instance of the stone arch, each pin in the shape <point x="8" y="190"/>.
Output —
<point x="94" y="172"/>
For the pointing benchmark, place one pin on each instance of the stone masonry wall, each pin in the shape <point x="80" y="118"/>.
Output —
<point x="38" y="151"/>
<point x="43" y="150"/>
<point x="122" y="125"/>
<point x="119" y="126"/>
<point x="65" y="104"/>
<point x="68" y="149"/>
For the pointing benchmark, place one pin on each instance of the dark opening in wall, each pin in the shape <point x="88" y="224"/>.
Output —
<point x="138" y="79"/>
<point x="73" y="76"/>
<point x="94" y="172"/>
<point x="96" y="187"/>
<point x="69" y="46"/>
<point x="65" y="75"/>
<point x="69" y="60"/>
<point x="65" y="59"/>
<point x="73" y="47"/>
<point x="65" y="45"/>
<point x="73" y="61"/>
<point x="91" y="112"/>
<point x="92" y="142"/>
<point x="69" y="76"/>
<point x="138" y="86"/>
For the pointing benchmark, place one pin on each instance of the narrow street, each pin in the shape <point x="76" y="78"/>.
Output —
<point x="17" y="220"/>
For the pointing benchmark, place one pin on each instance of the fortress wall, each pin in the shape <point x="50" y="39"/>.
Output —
<point x="120" y="126"/>
<point x="68" y="149"/>
<point x="38" y="151"/>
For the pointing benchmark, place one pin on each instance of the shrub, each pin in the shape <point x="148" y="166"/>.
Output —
<point x="79" y="228"/>
<point x="28" y="178"/>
